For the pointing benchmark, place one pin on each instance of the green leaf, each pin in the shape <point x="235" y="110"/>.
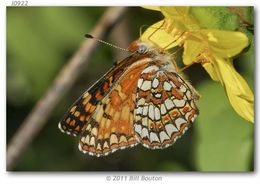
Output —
<point x="171" y="166"/>
<point x="39" y="41"/>
<point x="245" y="13"/>
<point x="215" y="18"/>
<point x="224" y="141"/>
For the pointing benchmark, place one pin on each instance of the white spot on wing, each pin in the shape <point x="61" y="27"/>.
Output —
<point x="163" y="136"/>
<point x="184" y="130"/>
<point x="113" y="150"/>
<point x="105" y="145"/>
<point x="80" y="148"/>
<point x="87" y="140"/>
<point x="144" y="133"/>
<point x="144" y="121"/>
<point x="179" y="102"/>
<point x="158" y="95"/>
<point x="151" y="112"/>
<point x="59" y="125"/>
<point x="170" y="128"/>
<point x="132" y="145"/>
<point x="154" y="137"/>
<point x="139" y="110"/>
<point x="169" y="104"/>
<point x="113" y="139"/>
<point x="145" y="110"/>
<point x="146" y="85"/>
<point x="138" y="129"/>
<point x="163" y="109"/>
<point x="179" y="122"/>
<point x="92" y="141"/>
<point x="141" y="101"/>
<point x="157" y="113"/>
<point x="183" y="88"/>
<point x="166" y="86"/>
<point x="188" y="94"/>
<point x="98" y="146"/>
<point x="139" y="84"/>
<point x="155" y="83"/>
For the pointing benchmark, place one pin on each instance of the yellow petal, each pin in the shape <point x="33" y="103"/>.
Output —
<point x="237" y="89"/>
<point x="156" y="8"/>
<point x="225" y="44"/>
<point x="158" y="37"/>
<point x="175" y="11"/>
<point x="192" y="48"/>
<point x="211" y="69"/>
<point x="180" y="18"/>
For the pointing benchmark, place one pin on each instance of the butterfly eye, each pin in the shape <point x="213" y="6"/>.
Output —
<point x="142" y="49"/>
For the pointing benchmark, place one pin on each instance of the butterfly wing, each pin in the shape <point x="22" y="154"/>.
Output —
<point x="103" y="115"/>
<point x="165" y="107"/>
<point x="140" y="100"/>
<point x="80" y="112"/>
<point x="111" y="126"/>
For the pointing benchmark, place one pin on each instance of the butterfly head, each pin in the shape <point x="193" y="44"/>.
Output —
<point x="138" y="46"/>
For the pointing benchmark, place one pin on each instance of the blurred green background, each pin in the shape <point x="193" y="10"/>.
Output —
<point x="40" y="40"/>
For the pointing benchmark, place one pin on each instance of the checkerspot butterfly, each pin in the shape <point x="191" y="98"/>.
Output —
<point x="141" y="99"/>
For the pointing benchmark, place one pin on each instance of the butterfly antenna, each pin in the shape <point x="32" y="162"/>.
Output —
<point x="88" y="36"/>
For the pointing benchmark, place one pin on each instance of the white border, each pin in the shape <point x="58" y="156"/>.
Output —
<point x="100" y="178"/>
<point x="138" y="3"/>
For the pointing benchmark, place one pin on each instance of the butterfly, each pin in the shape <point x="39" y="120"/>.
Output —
<point x="142" y="99"/>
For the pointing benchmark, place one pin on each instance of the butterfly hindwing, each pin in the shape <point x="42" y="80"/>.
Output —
<point x="165" y="107"/>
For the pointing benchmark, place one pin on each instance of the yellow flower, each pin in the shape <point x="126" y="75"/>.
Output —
<point x="214" y="49"/>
